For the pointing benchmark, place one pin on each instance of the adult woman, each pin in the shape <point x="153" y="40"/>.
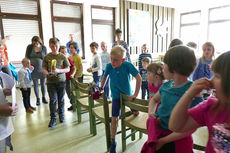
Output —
<point x="118" y="33"/>
<point x="35" y="52"/>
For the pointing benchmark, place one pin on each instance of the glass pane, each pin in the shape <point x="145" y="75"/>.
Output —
<point x="102" y="14"/>
<point x="190" y="18"/>
<point x="218" y="34"/>
<point x="21" y="32"/>
<point x="64" y="10"/>
<point x="191" y="33"/>
<point x="63" y="29"/>
<point x="220" y="13"/>
<point x="103" y="33"/>
<point x="20" y="7"/>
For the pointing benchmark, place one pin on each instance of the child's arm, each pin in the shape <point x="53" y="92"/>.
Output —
<point x="44" y="70"/>
<point x="72" y="71"/>
<point x="63" y="70"/>
<point x="103" y="79"/>
<point x="21" y="81"/>
<point x="79" y="71"/>
<point x="138" y="86"/>
<point x="156" y="99"/>
<point x="171" y="137"/>
<point x="180" y="120"/>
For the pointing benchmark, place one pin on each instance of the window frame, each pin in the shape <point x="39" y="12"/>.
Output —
<point x="69" y="19"/>
<point x="22" y="17"/>
<point x="103" y="22"/>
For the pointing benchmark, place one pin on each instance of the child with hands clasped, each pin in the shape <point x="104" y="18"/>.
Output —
<point x="55" y="65"/>
<point x="119" y="73"/>
<point x="210" y="112"/>
<point x="25" y="83"/>
<point x="179" y="62"/>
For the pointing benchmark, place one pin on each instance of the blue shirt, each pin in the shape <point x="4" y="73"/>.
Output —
<point x="203" y="70"/>
<point x="170" y="95"/>
<point x="120" y="78"/>
<point x="67" y="46"/>
<point x="143" y="74"/>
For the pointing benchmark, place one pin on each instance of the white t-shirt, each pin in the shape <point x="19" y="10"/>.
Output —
<point x="6" y="125"/>
<point x="96" y="64"/>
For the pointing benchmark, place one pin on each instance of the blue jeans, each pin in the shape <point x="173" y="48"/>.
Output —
<point x="56" y="94"/>
<point x="96" y="78"/>
<point x="144" y="89"/>
<point x="26" y="97"/>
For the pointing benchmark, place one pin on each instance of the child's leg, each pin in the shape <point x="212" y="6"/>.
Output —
<point x="28" y="96"/>
<point x="25" y="98"/>
<point x="52" y="91"/>
<point x="143" y="91"/>
<point x="61" y="93"/>
<point x="96" y="78"/>
<point x="147" y="89"/>
<point x="43" y="89"/>
<point x="3" y="146"/>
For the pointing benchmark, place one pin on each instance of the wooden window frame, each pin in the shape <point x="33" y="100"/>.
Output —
<point x="69" y="19"/>
<point x="103" y="22"/>
<point x="22" y="17"/>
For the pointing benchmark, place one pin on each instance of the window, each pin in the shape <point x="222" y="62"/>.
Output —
<point x="66" y="20"/>
<point x="219" y="23"/>
<point x="21" y="20"/>
<point x="190" y="27"/>
<point x="103" y="24"/>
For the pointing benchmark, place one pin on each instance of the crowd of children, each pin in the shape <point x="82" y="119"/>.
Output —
<point x="171" y="94"/>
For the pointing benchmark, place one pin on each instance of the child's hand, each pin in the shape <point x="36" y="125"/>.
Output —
<point x="198" y="86"/>
<point x="131" y="98"/>
<point x="160" y="144"/>
<point x="7" y="110"/>
<point x="152" y="114"/>
<point x="25" y="89"/>
<point x="7" y="92"/>
<point x="31" y="67"/>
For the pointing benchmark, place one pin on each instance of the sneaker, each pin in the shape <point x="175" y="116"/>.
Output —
<point x="113" y="148"/>
<point x="29" y="110"/>
<point x="70" y="108"/>
<point x="52" y="123"/>
<point x="33" y="108"/>
<point x="44" y="100"/>
<point x="38" y="102"/>
<point x="61" y="119"/>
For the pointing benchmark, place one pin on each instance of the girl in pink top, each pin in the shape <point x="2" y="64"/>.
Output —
<point x="216" y="110"/>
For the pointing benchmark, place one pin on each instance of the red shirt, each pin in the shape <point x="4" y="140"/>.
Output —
<point x="71" y="67"/>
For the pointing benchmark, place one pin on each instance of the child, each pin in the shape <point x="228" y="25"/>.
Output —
<point x="25" y="83"/>
<point x="143" y="55"/>
<point x="143" y="72"/>
<point x="155" y="78"/>
<point x="204" y="66"/>
<point x="210" y="112"/>
<point x="119" y="73"/>
<point x="179" y="62"/>
<point x="77" y="61"/>
<point x="6" y="125"/>
<point x="105" y="59"/>
<point x="95" y="65"/>
<point x="175" y="42"/>
<point x="55" y="65"/>
<point x="69" y="75"/>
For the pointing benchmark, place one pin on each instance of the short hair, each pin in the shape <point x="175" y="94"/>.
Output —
<point x="192" y="45"/>
<point x="37" y="39"/>
<point x="117" y="31"/>
<point x="175" y="42"/>
<point x="74" y="44"/>
<point x="146" y="60"/>
<point x="54" y="41"/>
<point x="180" y="59"/>
<point x="62" y="47"/>
<point x="118" y="51"/>
<point x="221" y="65"/>
<point x="156" y="68"/>
<point x="25" y="60"/>
<point x="94" y="44"/>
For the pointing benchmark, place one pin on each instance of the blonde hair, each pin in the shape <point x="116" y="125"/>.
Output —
<point x="118" y="51"/>
<point x="209" y="44"/>
<point x="146" y="60"/>
<point x="24" y="60"/>
<point x="156" y="68"/>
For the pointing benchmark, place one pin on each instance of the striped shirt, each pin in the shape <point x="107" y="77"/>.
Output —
<point x="142" y="56"/>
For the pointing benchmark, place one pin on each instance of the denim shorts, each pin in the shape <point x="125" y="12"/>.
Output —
<point x="116" y="107"/>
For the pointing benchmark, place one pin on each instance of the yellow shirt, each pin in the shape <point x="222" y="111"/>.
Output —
<point x="77" y="61"/>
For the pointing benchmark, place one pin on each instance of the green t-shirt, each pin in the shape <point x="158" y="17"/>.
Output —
<point x="61" y="62"/>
